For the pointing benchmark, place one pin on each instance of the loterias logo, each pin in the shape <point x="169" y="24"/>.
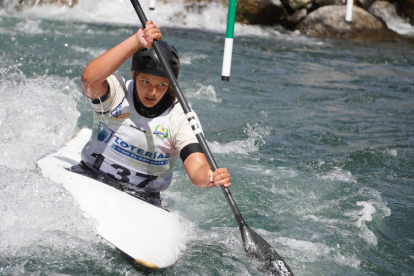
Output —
<point x="131" y="151"/>
<point x="117" y="113"/>
<point x="160" y="131"/>
<point x="104" y="133"/>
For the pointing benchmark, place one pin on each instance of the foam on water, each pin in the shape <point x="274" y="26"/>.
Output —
<point x="254" y="139"/>
<point x="190" y="228"/>
<point x="372" y="208"/>
<point x="188" y="58"/>
<point x="241" y="147"/>
<point x="37" y="212"/>
<point x="39" y="220"/>
<point x="282" y="172"/>
<point x="178" y="14"/>
<point x="93" y="52"/>
<point x="172" y="14"/>
<point x="394" y="22"/>
<point x="204" y="92"/>
<point x="315" y="251"/>
<point x="366" y="215"/>
<point x="37" y="116"/>
<point x="391" y="152"/>
<point x="30" y="26"/>
<point x="337" y="221"/>
<point x="338" y="174"/>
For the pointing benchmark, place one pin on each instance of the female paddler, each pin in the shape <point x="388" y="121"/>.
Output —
<point x="140" y="128"/>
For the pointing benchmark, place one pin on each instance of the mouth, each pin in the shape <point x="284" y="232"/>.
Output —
<point x="150" y="99"/>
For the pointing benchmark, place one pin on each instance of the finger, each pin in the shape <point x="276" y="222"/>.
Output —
<point x="226" y="184"/>
<point x="222" y="180"/>
<point x="148" y="37"/>
<point x="156" y="36"/>
<point x="155" y="33"/>
<point x="148" y="23"/>
<point x="152" y="31"/>
<point x="221" y="171"/>
<point x="150" y="26"/>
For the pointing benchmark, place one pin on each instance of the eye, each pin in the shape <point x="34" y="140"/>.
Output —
<point x="145" y="81"/>
<point x="162" y="85"/>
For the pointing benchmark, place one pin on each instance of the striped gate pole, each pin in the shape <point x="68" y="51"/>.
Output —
<point x="228" y="43"/>
<point x="152" y="5"/>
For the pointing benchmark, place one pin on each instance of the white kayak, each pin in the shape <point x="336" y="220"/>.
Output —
<point x="150" y="235"/>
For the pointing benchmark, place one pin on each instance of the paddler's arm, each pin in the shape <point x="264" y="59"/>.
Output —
<point x="201" y="175"/>
<point x="96" y="72"/>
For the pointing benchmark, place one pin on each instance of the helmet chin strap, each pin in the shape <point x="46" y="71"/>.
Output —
<point x="156" y="110"/>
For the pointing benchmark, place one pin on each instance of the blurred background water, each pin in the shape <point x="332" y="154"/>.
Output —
<point x="318" y="135"/>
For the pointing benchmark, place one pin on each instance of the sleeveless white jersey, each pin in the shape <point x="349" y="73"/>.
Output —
<point x="134" y="149"/>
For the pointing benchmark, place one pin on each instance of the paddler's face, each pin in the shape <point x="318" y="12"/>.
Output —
<point x="150" y="88"/>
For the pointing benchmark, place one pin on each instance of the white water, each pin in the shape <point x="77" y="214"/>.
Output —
<point x="389" y="14"/>
<point x="37" y="115"/>
<point x="212" y="17"/>
<point x="39" y="220"/>
<point x="37" y="216"/>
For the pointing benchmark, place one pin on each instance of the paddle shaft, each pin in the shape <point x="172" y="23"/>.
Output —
<point x="187" y="110"/>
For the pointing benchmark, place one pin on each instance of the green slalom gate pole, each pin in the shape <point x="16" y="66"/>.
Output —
<point x="228" y="44"/>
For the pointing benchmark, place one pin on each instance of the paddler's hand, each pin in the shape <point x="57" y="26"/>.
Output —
<point x="221" y="177"/>
<point x="145" y="37"/>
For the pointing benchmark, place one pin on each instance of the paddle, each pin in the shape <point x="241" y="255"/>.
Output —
<point x="255" y="246"/>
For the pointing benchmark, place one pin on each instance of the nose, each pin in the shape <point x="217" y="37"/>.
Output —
<point x="151" y="90"/>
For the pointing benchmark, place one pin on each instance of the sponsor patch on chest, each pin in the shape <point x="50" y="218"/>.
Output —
<point x="131" y="151"/>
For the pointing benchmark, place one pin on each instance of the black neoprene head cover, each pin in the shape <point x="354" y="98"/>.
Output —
<point x="146" y="61"/>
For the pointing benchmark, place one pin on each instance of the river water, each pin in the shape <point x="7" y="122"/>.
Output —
<point x="318" y="135"/>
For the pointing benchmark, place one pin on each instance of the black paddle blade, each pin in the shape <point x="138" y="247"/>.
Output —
<point x="259" y="249"/>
